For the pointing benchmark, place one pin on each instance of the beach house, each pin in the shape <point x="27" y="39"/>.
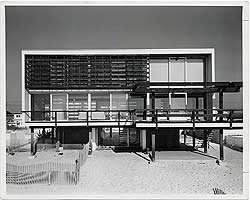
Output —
<point x="133" y="98"/>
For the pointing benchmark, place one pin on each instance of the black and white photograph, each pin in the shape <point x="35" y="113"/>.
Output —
<point x="124" y="100"/>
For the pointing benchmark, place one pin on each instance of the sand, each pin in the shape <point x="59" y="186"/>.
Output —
<point x="23" y="158"/>
<point x="106" y="172"/>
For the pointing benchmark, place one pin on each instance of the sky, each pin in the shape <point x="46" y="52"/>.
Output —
<point x="42" y="28"/>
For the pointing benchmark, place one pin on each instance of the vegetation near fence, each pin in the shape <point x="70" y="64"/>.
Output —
<point x="48" y="172"/>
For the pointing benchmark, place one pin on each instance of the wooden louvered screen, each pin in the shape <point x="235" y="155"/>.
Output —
<point x="83" y="71"/>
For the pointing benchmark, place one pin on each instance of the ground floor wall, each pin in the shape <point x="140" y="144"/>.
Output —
<point x="165" y="139"/>
<point x="111" y="136"/>
<point x="73" y="135"/>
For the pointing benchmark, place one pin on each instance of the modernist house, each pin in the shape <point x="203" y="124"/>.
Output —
<point x="125" y="97"/>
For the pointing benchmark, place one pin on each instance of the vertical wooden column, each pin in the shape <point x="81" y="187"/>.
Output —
<point x="144" y="107"/>
<point x="96" y="137"/>
<point x="43" y="131"/>
<point x="93" y="131"/>
<point x="90" y="134"/>
<point x="148" y="105"/>
<point x="63" y="134"/>
<point x="221" y="129"/>
<point x="143" y="139"/>
<point x="205" y="140"/>
<point x="185" y="136"/>
<point x="32" y="140"/>
<point x="205" y="105"/>
<point x="153" y="146"/>
<point x="197" y="105"/>
<point x="128" y="134"/>
<point x="153" y="107"/>
<point x="196" y="102"/>
<point x="53" y="135"/>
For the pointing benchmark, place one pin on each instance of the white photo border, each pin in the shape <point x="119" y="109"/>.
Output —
<point x="245" y="73"/>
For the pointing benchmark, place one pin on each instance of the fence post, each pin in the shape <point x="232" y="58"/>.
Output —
<point x="32" y="141"/>
<point x="76" y="171"/>
<point x="49" y="177"/>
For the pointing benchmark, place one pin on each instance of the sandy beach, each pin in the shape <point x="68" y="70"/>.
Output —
<point x="174" y="172"/>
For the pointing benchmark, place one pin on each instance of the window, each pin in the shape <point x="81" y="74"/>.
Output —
<point x="177" y="70"/>
<point x="40" y="102"/>
<point x="119" y="101"/>
<point x="59" y="103"/>
<point x="159" y="70"/>
<point x="195" y="70"/>
<point x="135" y="103"/>
<point x="100" y="101"/>
<point x="77" y="102"/>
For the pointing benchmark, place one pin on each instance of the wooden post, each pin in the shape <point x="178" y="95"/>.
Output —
<point x="144" y="107"/>
<point x="148" y="106"/>
<point x="49" y="179"/>
<point x="193" y="135"/>
<point x="185" y="136"/>
<point x="205" y="106"/>
<point x="153" y="146"/>
<point x="221" y="145"/>
<point x="205" y="140"/>
<point x="32" y="141"/>
<point x="63" y="136"/>
<point x="53" y="135"/>
<point x="128" y="133"/>
<point x="197" y="105"/>
<point x="43" y="131"/>
<point x="153" y="108"/>
<point x="144" y="139"/>
<point x="221" y="130"/>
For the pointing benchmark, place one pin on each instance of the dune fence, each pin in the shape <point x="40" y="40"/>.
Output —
<point x="53" y="172"/>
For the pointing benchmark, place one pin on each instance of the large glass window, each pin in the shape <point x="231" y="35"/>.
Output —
<point x="159" y="70"/>
<point x="59" y="103"/>
<point x="77" y="102"/>
<point x="40" y="102"/>
<point x="135" y="103"/>
<point x="195" y="70"/>
<point x="119" y="101"/>
<point x="177" y="70"/>
<point x="100" y="101"/>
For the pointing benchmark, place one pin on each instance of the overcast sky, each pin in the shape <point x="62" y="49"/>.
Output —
<point x="123" y="27"/>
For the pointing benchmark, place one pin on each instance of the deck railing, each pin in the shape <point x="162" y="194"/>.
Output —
<point x="140" y="115"/>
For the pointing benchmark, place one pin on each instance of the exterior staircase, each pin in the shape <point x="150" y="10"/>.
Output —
<point x="123" y="137"/>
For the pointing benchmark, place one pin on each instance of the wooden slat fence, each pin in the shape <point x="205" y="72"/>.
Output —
<point x="47" y="173"/>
